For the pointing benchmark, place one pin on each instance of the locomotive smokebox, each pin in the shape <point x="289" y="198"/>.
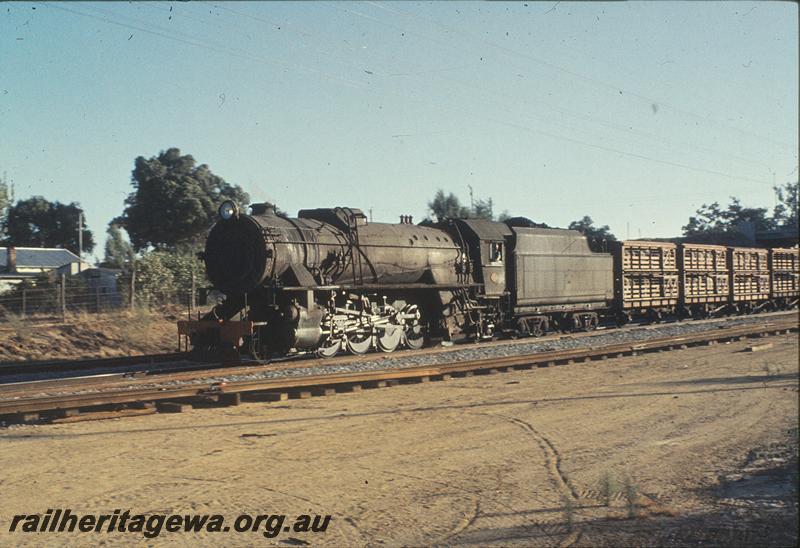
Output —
<point x="236" y="256"/>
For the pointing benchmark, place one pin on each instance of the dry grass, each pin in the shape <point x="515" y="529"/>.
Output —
<point x="88" y="335"/>
<point x="18" y="324"/>
<point x="139" y="321"/>
<point x="608" y="487"/>
<point x="631" y="493"/>
<point x="568" y="509"/>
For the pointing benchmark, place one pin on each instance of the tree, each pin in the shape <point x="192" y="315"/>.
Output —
<point x="712" y="224"/>
<point x="6" y="199"/>
<point x="586" y="227"/>
<point x="118" y="252"/>
<point x="483" y="209"/>
<point x="174" y="201"/>
<point x="159" y="272"/>
<point x="785" y="212"/>
<point x="37" y="222"/>
<point x="447" y="206"/>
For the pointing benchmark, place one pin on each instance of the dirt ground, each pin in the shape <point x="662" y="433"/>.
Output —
<point x="89" y="336"/>
<point x="701" y="442"/>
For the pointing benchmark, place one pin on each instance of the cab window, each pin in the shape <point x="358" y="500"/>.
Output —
<point x="496" y="252"/>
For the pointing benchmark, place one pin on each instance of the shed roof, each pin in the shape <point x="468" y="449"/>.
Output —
<point x="39" y="257"/>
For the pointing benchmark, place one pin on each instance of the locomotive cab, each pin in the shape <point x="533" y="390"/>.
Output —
<point x="487" y="242"/>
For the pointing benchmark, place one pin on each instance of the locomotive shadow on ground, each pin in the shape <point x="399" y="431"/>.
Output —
<point x="746" y="525"/>
<point x="739" y="379"/>
<point x="266" y="422"/>
<point x="715" y="528"/>
<point x="778" y="483"/>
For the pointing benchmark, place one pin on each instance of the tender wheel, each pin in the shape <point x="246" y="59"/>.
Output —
<point x="390" y="340"/>
<point x="359" y="343"/>
<point x="329" y="348"/>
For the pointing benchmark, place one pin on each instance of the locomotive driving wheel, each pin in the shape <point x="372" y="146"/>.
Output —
<point x="329" y="348"/>
<point x="390" y="339"/>
<point x="414" y="337"/>
<point x="413" y="333"/>
<point x="359" y="343"/>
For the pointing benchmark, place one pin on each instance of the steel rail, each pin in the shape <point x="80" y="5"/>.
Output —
<point x="201" y="371"/>
<point x="139" y="364"/>
<point x="18" y="405"/>
<point x="48" y="366"/>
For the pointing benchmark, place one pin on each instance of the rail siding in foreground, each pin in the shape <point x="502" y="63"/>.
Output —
<point x="16" y="406"/>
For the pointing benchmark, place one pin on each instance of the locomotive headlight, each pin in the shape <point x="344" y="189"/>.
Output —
<point x="228" y="210"/>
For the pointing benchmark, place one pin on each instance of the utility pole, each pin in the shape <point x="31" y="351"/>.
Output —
<point x="370" y="214"/>
<point x="774" y="192"/>
<point x="63" y="296"/>
<point x="80" y="241"/>
<point x="133" y="283"/>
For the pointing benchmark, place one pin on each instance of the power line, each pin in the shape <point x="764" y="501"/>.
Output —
<point x="469" y="114"/>
<point x="236" y="52"/>
<point x="584" y="143"/>
<point x="551" y="106"/>
<point x="574" y="74"/>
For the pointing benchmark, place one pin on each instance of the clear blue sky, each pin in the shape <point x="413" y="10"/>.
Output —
<point x="633" y="113"/>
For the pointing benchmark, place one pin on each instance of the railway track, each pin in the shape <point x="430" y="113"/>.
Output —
<point x="29" y="402"/>
<point x="12" y="373"/>
<point x="11" y="369"/>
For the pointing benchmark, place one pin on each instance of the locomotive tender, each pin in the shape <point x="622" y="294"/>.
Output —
<point x="330" y="280"/>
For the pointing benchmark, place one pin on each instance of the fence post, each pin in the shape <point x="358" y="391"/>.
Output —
<point x="192" y="302"/>
<point x="24" y="302"/>
<point x="63" y="297"/>
<point x="97" y="299"/>
<point x="133" y="282"/>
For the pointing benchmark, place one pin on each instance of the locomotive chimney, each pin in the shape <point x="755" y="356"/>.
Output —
<point x="11" y="263"/>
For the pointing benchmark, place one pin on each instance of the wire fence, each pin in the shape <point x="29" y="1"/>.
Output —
<point x="60" y="299"/>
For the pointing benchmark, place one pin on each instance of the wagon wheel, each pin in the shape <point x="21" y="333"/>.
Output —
<point x="329" y="348"/>
<point x="535" y="328"/>
<point x="391" y="339"/>
<point x="359" y="343"/>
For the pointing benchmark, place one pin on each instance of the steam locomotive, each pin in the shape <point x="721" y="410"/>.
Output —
<point x="329" y="281"/>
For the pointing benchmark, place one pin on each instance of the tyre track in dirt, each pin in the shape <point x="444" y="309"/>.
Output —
<point x="553" y="465"/>
<point x="552" y="456"/>
<point x="471" y="517"/>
